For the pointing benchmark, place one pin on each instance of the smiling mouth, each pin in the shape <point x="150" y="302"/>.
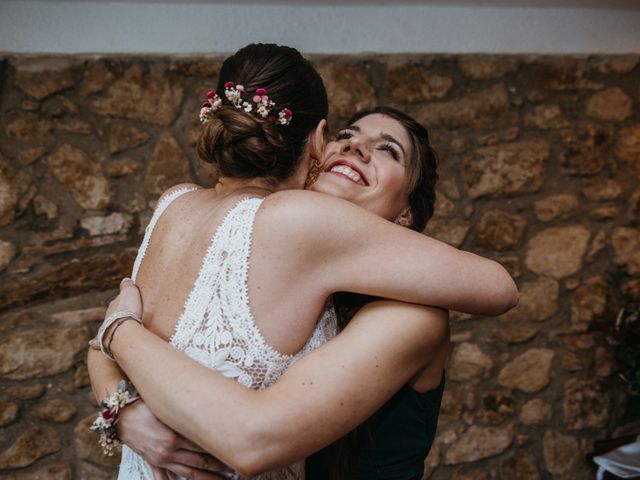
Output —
<point x="349" y="172"/>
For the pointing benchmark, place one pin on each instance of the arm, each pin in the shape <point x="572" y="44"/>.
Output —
<point x="342" y="247"/>
<point x="328" y="392"/>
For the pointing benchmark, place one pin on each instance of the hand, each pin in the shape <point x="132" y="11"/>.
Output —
<point x="165" y="450"/>
<point x="128" y="300"/>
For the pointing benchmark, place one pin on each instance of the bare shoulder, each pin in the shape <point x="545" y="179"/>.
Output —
<point x="312" y="213"/>
<point x="178" y="187"/>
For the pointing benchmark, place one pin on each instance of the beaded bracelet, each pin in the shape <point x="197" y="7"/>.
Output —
<point x="105" y="422"/>
<point x="110" y="320"/>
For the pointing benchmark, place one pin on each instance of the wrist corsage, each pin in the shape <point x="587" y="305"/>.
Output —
<point x="105" y="422"/>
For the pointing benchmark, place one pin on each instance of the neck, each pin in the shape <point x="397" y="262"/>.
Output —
<point x="229" y="185"/>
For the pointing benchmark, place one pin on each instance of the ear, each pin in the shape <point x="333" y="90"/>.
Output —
<point x="317" y="141"/>
<point x="405" y="219"/>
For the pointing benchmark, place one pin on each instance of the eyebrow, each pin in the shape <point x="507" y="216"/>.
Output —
<point x="383" y="135"/>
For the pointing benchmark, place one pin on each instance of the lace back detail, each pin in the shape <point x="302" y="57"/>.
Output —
<point x="217" y="328"/>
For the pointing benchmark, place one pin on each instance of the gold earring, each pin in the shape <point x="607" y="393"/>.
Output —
<point x="314" y="173"/>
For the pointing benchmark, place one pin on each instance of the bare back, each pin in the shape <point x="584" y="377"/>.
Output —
<point x="283" y="311"/>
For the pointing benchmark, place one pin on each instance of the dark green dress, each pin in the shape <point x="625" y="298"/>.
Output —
<point x="394" y="444"/>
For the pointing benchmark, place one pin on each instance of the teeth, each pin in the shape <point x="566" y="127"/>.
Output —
<point x="347" y="171"/>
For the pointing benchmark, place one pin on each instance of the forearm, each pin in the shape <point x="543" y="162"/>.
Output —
<point x="104" y="374"/>
<point x="329" y="392"/>
<point x="195" y="401"/>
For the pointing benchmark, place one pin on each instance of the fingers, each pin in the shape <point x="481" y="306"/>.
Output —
<point x="158" y="473"/>
<point x="199" y="461"/>
<point x="186" y="444"/>
<point x="129" y="298"/>
<point x="193" y="473"/>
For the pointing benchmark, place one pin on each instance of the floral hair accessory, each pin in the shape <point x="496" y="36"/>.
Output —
<point x="284" y="116"/>
<point x="105" y="422"/>
<point x="260" y="105"/>
<point x="210" y="105"/>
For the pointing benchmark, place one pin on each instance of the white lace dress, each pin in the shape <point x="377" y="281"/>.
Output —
<point x="216" y="327"/>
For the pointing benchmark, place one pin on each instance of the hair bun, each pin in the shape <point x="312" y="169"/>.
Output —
<point x="242" y="145"/>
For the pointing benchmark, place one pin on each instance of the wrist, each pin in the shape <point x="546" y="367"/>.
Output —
<point x="109" y="327"/>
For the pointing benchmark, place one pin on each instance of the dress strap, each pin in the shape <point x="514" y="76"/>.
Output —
<point x="162" y="206"/>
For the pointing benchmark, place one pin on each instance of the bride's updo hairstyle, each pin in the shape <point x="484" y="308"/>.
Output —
<point x="245" y="145"/>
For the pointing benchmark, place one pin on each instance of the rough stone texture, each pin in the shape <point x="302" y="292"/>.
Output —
<point x="31" y="128"/>
<point x="586" y="404"/>
<point x="168" y="166"/>
<point x="516" y="333"/>
<point x="555" y="206"/>
<point x="141" y="95"/>
<point x="500" y="230"/>
<point x="8" y="412"/>
<point x="564" y="74"/>
<point x="44" y="206"/>
<point x="42" y="77"/>
<point x="611" y="104"/>
<point x="522" y="465"/>
<point x="626" y="249"/>
<point x="40" y="353"/>
<point x="587" y="148"/>
<point x="558" y="252"/>
<point x="452" y="231"/>
<point x="96" y="77"/>
<point x="55" y="410"/>
<point x="478" y="110"/>
<point x="26" y="392"/>
<point x="348" y="88"/>
<point x="545" y="117"/>
<point x="589" y="302"/>
<point x="483" y="67"/>
<point x="8" y="192"/>
<point x="82" y="176"/>
<point x="73" y="317"/>
<point x="115" y="223"/>
<point x="536" y="412"/>
<point x="478" y="443"/>
<point x="57" y="471"/>
<point x="469" y="362"/>
<point x="602" y="190"/>
<point x="512" y="168"/>
<point x="627" y="148"/>
<point x="538" y="301"/>
<point x="95" y="271"/>
<point x="86" y="446"/>
<point x="35" y="442"/>
<point x="543" y="139"/>
<point x="563" y="454"/>
<point x="415" y="83"/>
<point x="615" y="64"/>
<point x="529" y="371"/>
<point x="7" y="252"/>
<point x="124" y="137"/>
<point x="495" y="407"/>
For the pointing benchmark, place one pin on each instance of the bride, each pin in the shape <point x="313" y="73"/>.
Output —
<point x="302" y="247"/>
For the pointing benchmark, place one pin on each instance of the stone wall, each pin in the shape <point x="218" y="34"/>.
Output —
<point x="540" y="167"/>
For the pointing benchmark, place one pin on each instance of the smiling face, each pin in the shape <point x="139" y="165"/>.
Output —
<point x="366" y="164"/>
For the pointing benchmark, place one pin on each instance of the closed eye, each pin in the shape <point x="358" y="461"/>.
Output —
<point x="389" y="148"/>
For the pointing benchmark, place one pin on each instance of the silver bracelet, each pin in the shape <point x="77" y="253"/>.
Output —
<point x="110" y="320"/>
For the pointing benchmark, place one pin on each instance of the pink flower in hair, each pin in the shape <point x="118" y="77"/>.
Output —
<point x="261" y="91"/>
<point x="228" y="84"/>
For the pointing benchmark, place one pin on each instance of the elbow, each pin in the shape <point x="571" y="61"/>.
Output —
<point x="250" y="451"/>
<point x="506" y="293"/>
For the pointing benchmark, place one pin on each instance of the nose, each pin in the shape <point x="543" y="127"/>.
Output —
<point x="358" y="147"/>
